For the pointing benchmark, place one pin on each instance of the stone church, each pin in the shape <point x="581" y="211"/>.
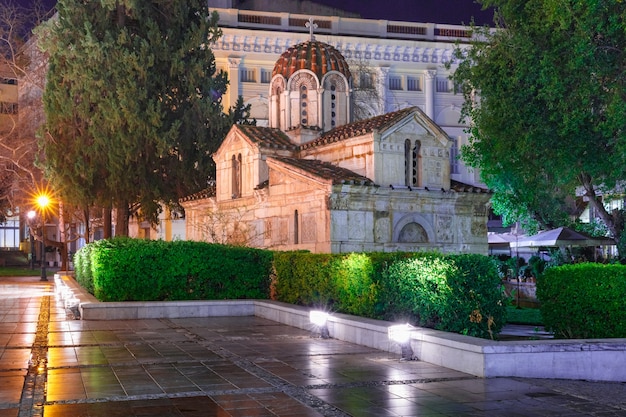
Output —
<point x="316" y="180"/>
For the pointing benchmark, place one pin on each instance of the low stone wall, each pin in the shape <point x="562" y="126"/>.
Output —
<point x="594" y="360"/>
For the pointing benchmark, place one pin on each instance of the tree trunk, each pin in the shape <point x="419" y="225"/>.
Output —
<point x="87" y="234"/>
<point x="121" y="219"/>
<point x="107" y="222"/>
<point x="613" y="221"/>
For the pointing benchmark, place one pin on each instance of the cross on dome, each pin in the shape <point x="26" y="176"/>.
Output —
<point x="311" y="25"/>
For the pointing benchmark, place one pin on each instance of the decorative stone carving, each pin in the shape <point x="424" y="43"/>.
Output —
<point x="445" y="232"/>
<point x="338" y="201"/>
<point x="308" y="228"/>
<point x="382" y="230"/>
<point x="413" y="233"/>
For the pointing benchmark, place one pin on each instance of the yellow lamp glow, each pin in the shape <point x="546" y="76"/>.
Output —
<point x="43" y="201"/>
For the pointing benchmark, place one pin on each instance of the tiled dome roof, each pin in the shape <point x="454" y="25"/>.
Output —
<point x="318" y="57"/>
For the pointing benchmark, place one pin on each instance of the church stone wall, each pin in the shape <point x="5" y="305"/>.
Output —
<point x="402" y="220"/>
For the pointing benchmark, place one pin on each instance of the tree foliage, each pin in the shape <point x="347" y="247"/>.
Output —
<point x="546" y="95"/>
<point x="21" y="85"/>
<point x="133" y="102"/>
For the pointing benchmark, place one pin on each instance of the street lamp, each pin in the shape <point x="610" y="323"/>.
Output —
<point x="43" y="201"/>
<point x="31" y="215"/>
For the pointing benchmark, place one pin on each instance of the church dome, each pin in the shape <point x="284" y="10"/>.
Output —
<point x="318" y="57"/>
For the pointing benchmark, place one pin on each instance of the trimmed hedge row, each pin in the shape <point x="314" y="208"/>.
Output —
<point x="584" y="300"/>
<point x="457" y="293"/>
<point x="124" y="269"/>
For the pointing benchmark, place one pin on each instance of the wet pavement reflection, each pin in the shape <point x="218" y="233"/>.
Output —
<point x="243" y="366"/>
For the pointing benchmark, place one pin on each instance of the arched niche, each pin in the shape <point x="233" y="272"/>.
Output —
<point x="413" y="225"/>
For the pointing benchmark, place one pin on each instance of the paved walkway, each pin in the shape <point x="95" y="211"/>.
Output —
<point x="51" y="365"/>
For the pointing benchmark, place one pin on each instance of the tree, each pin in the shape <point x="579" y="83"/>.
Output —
<point x="21" y="85"/>
<point x="545" y="93"/>
<point x="133" y="103"/>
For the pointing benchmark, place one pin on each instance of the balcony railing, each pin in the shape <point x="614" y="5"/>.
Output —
<point x="334" y="25"/>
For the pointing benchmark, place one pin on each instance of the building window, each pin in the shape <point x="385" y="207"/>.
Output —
<point x="413" y="84"/>
<point x="407" y="162"/>
<point x="303" y="105"/>
<point x="395" y="82"/>
<point x="416" y="165"/>
<point x="10" y="234"/>
<point x="443" y="85"/>
<point x="7" y="80"/>
<point x="266" y="76"/>
<point x="247" y="75"/>
<point x="8" y="108"/>
<point x="295" y="228"/>
<point x="366" y="80"/>
<point x="454" y="156"/>
<point x="236" y="173"/>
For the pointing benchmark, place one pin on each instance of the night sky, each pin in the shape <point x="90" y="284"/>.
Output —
<point x="454" y="12"/>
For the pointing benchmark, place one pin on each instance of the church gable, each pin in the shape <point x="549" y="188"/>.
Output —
<point x="414" y="153"/>
<point x="313" y="172"/>
<point x="240" y="164"/>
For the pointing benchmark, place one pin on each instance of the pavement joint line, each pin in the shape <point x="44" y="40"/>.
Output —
<point x="298" y="393"/>
<point x="386" y="383"/>
<point x="185" y="394"/>
<point x="34" y="390"/>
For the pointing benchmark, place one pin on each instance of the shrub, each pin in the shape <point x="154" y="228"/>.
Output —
<point x="457" y="293"/>
<point x="454" y="293"/>
<point x="584" y="300"/>
<point x="355" y="289"/>
<point x="124" y="269"/>
<point x="304" y="279"/>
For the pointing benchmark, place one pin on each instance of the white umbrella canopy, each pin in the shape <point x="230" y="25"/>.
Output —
<point x="560" y="237"/>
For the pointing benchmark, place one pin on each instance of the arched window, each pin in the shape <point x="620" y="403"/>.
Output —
<point x="296" y="229"/>
<point x="407" y="162"/>
<point x="236" y="176"/>
<point x="417" y="164"/>
<point x="303" y="105"/>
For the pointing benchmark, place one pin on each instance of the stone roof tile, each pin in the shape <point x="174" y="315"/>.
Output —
<point x="267" y="137"/>
<point x="327" y="171"/>
<point x="200" y="195"/>
<point x="316" y="56"/>
<point x="362" y="127"/>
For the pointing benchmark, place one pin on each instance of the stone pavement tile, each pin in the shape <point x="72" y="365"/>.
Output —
<point x="9" y="412"/>
<point x="169" y="379"/>
<point x="14" y="358"/>
<point x="178" y="407"/>
<point x="11" y="384"/>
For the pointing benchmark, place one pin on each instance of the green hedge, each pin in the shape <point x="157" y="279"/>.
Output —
<point x="123" y="269"/>
<point x="458" y="293"/>
<point x="584" y="300"/>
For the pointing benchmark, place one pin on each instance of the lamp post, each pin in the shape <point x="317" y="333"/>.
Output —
<point x="42" y="202"/>
<point x="31" y="215"/>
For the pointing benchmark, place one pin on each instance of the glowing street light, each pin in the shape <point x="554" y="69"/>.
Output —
<point x="43" y="201"/>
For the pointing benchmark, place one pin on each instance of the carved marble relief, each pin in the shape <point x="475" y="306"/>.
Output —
<point x="338" y="201"/>
<point x="309" y="225"/>
<point x="445" y="231"/>
<point x="356" y="225"/>
<point x="434" y="173"/>
<point x="413" y="233"/>
<point x="382" y="230"/>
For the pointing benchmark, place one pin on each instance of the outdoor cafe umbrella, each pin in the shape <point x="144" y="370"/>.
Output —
<point x="560" y="237"/>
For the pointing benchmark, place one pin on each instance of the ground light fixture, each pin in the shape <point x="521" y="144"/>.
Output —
<point x="401" y="334"/>
<point x="319" y="319"/>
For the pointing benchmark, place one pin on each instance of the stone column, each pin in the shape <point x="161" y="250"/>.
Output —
<point x="430" y="78"/>
<point x="233" y="77"/>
